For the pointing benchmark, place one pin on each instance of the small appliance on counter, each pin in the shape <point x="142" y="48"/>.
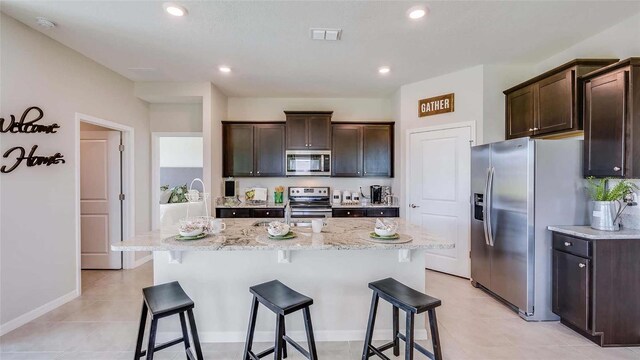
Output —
<point x="387" y="196"/>
<point x="337" y="197"/>
<point x="230" y="186"/>
<point x="376" y="194"/>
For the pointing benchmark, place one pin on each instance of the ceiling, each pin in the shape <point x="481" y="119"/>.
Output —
<point x="268" y="47"/>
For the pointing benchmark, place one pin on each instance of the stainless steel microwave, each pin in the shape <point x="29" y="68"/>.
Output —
<point x="308" y="163"/>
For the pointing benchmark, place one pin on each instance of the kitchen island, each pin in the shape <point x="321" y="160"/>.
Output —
<point x="333" y="267"/>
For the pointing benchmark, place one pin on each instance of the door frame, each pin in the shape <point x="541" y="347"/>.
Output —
<point x="463" y="124"/>
<point x="155" y="170"/>
<point x="128" y="187"/>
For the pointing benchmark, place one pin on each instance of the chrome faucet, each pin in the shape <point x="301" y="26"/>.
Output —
<point x="287" y="213"/>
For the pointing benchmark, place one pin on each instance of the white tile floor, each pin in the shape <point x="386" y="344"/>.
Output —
<point x="102" y="324"/>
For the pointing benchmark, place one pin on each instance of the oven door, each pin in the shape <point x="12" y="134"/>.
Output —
<point x="308" y="163"/>
<point x="311" y="213"/>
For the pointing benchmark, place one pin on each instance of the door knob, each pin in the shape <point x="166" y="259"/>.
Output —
<point x="615" y="168"/>
<point x="581" y="265"/>
<point x="413" y="206"/>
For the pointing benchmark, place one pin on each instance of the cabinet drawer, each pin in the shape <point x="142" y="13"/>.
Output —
<point x="234" y="213"/>
<point x="572" y="245"/>
<point x="383" y="212"/>
<point x="349" y="213"/>
<point x="268" y="213"/>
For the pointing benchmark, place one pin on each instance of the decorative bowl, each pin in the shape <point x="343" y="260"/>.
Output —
<point x="277" y="228"/>
<point x="188" y="230"/>
<point x="386" y="227"/>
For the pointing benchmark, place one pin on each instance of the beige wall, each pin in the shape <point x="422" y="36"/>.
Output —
<point x="175" y="117"/>
<point x="37" y="222"/>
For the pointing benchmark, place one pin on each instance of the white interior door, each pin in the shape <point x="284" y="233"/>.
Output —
<point x="100" y="213"/>
<point x="438" y="193"/>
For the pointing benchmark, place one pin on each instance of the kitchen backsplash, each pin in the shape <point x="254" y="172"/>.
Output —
<point x="351" y="184"/>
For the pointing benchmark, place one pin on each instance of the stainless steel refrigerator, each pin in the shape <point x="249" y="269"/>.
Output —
<point x="519" y="187"/>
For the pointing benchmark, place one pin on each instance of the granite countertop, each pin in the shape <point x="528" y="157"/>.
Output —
<point x="588" y="233"/>
<point x="241" y="234"/>
<point x="360" y="206"/>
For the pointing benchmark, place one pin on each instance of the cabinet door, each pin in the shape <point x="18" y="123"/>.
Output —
<point x="237" y="150"/>
<point x="604" y="125"/>
<point x="377" y="150"/>
<point x="346" y="151"/>
<point x="521" y="112"/>
<point x="319" y="132"/>
<point x="297" y="132"/>
<point x="233" y="213"/>
<point x="555" y="107"/>
<point x="269" y="150"/>
<point x="571" y="288"/>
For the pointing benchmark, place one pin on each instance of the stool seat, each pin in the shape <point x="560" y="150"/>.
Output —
<point x="166" y="298"/>
<point x="405" y="297"/>
<point x="280" y="298"/>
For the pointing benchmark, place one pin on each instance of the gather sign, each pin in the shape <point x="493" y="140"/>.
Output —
<point x="436" y="105"/>
<point x="28" y="125"/>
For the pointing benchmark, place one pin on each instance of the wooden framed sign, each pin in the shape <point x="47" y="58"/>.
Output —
<point x="436" y="105"/>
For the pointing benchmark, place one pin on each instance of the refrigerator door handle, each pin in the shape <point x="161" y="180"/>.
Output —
<point x="489" y="202"/>
<point x="485" y="208"/>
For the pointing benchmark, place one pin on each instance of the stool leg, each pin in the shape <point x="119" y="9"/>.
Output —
<point x="410" y="338"/>
<point x="396" y="330"/>
<point x="152" y="338"/>
<point x="435" y="337"/>
<point x="370" y="325"/>
<point x="252" y="327"/>
<point x="277" y="353"/>
<point x="194" y="334"/>
<point x="313" y="353"/>
<point x="185" y="333"/>
<point x="143" y="322"/>
<point x="284" y="343"/>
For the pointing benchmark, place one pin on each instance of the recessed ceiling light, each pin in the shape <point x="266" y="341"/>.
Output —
<point x="417" y="12"/>
<point x="384" y="70"/>
<point x="45" y="23"/>
<point x="224" y="69"/>
<point x="175" y="9"/>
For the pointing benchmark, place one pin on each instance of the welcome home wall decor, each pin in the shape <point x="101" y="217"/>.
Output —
<point x="25" y="126"/>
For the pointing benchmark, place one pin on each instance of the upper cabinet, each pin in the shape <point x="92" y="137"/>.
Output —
<point x="308" y="130"/>
<point x="612" y="120"/>
<point x="253" y="149"/>
<point x="549" y="103"/>
<point x="362" y="150"/>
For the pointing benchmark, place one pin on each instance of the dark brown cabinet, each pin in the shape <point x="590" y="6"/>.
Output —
<point x="362" y="150"/>
<point x="366" y="212"/>
<point x="308" y="130"/>
<point x="549" y="103"/>
<point x="596" y="284"/>
<point x="612" y="120"/>
<point x="249" y="213"/>
<point x="253" y="149"/>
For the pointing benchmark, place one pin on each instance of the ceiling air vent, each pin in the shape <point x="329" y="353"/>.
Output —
<point x="325" y="34"/>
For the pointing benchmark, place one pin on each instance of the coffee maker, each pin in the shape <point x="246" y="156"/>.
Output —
<point x="376" y="194"/>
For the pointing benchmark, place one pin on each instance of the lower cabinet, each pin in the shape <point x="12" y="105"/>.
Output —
<point x="596" y="287"/>
<point x="249" y="213"/>
<point x="366" y="212"/>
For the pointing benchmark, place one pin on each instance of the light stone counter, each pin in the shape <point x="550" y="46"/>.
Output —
<point x="360" y="206"/>
<point x="588" y="233"/>
<point x="241" y="234"/>
<point x="333" y="268"/>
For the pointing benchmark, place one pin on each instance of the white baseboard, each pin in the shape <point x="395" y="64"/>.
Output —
<point x="37" y="312"/>
<point x="141" y="261"/>
<point x="267" y="336"/>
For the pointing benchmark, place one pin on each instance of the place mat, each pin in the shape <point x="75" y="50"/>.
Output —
<point x="404" y="238"/>
<point x="264" y="239"/>
<point x="190" y="238"/>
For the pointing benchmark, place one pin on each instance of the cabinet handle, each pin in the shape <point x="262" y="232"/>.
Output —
<point x="381" y="212"/>
<point x="581" y="265"/>
<point x="267" y="213"/>
<point x="535" y="129"/>
<point x="258" y="172"/>
<point x="615" y="168"/>
<point x="233" y="213"/>
<point x="250" y="172"/>
<point x="530" y="129"/>
<point x="348" y="212"/>
<point x="309" y="144"/>
<point x="566" y="243"/>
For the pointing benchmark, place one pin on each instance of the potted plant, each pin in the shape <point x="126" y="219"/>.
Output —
<point x="607" y="202"/>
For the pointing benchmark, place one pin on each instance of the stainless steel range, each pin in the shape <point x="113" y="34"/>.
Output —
<point x="310" y="202"/>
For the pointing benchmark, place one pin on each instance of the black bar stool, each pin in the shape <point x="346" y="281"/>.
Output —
<point x="412" y="302"/>
<point x="162" y="301"/>
<point x="282" y="300"/>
